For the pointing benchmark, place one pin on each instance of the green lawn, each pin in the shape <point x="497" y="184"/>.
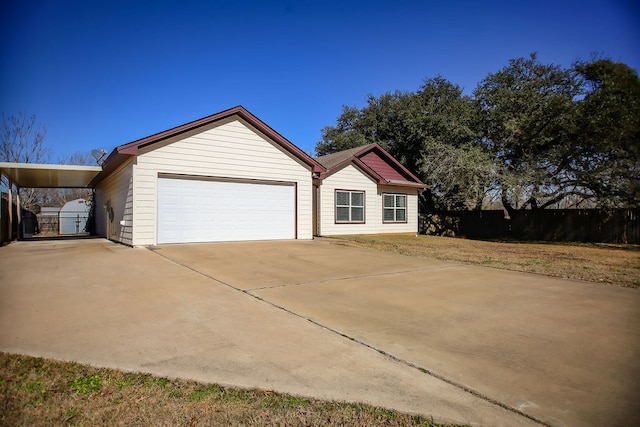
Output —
<point x="42" y="392"/>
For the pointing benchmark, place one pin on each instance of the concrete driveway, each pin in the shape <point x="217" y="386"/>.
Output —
<point x="316" y="318"/>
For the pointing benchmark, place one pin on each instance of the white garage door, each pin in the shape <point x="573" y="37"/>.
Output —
<point x="192" y="210"/>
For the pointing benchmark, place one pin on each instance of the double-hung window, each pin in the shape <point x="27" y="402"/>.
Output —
<point x="394" y="207"/>
<point x="349" y="206"/>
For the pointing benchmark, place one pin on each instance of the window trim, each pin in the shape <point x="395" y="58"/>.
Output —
<point x="335" y="206"/>
<point x="395" y="208"/>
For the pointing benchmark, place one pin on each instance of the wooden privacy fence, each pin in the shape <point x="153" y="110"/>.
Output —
<point x="571" y="225"/>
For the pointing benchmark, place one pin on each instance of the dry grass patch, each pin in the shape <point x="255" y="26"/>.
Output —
<point x="617" y="265"/>
<point x="42" y="392"/>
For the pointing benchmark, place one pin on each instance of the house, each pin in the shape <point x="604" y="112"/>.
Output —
<point x="365" y="190"/>
<point x="230" y="177"/>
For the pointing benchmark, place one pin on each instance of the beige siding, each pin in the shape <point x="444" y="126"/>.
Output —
<point x="351" y="178"/>
<point x="230" y="150"/>
<point x="116" y="192"/>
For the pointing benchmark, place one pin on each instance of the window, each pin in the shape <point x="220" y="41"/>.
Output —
<point x="394" y="208"/>
<point x="349" y="206"/>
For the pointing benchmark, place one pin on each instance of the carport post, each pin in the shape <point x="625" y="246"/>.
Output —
<point x="18" y="209"/>
<point x="5" y="216"/>
<point x="13" y="223"/>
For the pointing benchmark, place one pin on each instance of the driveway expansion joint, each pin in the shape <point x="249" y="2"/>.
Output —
<point x="356" y="276"/>
<point x="156" y="250"/>
<point x="410" y="364"/>
<point x="396" y="359"/>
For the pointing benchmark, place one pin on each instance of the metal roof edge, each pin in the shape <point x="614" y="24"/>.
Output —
<point x="51" y="166"/>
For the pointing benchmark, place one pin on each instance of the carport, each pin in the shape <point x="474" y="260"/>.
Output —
<point x="14" y="176"/>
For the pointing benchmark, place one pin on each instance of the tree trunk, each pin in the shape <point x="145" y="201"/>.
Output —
<point x="510" y="209"/>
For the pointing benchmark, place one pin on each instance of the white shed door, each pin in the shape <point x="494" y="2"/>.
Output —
<point x="191" y="210"/>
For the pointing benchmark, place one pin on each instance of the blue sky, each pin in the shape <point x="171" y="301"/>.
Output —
<point x="100" y="74"/>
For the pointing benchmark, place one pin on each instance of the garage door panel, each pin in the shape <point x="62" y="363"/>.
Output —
<point x="210" y="211"/>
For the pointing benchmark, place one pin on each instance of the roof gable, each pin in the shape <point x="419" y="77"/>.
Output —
<point x="373" y="160"/>
<point x="122" y="152"/>
<point x="333" y="159"/>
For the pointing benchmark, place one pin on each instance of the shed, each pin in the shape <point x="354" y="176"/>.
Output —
<point x="74" y="217"/>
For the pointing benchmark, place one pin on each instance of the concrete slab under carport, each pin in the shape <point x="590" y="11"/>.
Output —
<point x="109" y="305"/>
<point x="562" y="351"/>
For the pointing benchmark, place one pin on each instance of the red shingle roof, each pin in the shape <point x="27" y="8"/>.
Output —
<point x="380" y="165"/>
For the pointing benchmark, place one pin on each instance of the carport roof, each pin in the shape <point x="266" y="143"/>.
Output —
<point x="31" y="175"/>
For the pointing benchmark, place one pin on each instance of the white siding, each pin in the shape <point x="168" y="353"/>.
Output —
<point x="232" y="149"/>
<point x="351" y="178"/>
<point x="116" y="191"/>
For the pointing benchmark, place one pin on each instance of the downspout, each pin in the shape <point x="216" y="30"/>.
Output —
<point x="19" y="213"/>
<point x="10" y="210"/>
<point x="316" y="227"/>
